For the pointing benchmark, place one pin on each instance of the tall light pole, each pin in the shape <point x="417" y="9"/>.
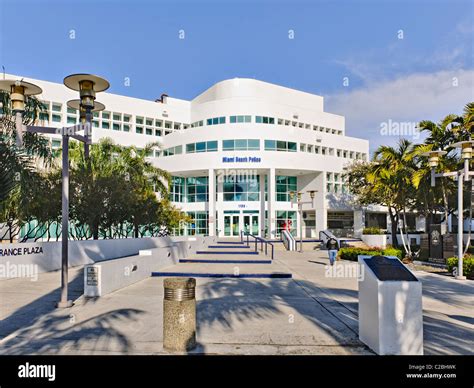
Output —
<point x="87" y="85"/>
<point x="462" y="175"/>
<point x="300" y="204"/>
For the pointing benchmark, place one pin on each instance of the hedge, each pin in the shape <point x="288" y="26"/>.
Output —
<point x="352" y="253"/>
<point x="467" y="265"/>
<point x="373" y="230"/>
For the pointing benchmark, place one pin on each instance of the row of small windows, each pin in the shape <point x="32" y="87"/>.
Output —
<point x="215" y="121"/>
<point x="203" y="146"/>
<point x="340" y="153"/>
<point x="280" y="145"/>
<point x="241" y="145"/>
<point x="123" y="121"/>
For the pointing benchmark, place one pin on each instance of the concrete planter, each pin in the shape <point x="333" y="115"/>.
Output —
<point x="375" y="240"/>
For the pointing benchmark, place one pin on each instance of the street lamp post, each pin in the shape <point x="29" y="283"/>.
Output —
<point x="462" y="175"/>
<point x="300" y="204"/>
<point x="87" y="85"/>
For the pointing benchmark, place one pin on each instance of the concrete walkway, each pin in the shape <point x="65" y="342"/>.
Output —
<point x="309" y="314"/>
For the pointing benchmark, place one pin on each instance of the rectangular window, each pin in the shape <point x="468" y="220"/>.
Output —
<point x="71" y="111"/>
<point x="285" y="220"/>
<point x="56" y="107"/>
<point x="106" y="115"/>
<point x="149" y="122"/>
<point x="285" y="184"/>
<point x="56" y="118"/>
<point x="149" y="131"/>
<point x="159" y="123"/>
<point x="116" y="126"/>
<point x="201" y="146"/>
<point x="71" y="120"/>
<point x="117" y="116"/>
<point x="241" y="188"/>
<point x="158" y="132"/>
<point x="190" y="148"/>
<point x="105" y="125"/>
<point x="138" y="120"/>
<point x="126" y="128"/>
<point x="228" y="145"/>
<point x="270" y="145"/>
<point x="139" y="130"/>
<point x="253" y="144"/>
<point x="197" y="189"/>
<point x="126" y="118"/>
<point x="212" y="146"/>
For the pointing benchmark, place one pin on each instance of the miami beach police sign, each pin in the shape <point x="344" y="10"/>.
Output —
<point x="241" y="159"/>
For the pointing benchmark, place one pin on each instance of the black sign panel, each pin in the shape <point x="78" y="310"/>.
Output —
<point x="389" y="269"/>
<point x="436" y="242"/>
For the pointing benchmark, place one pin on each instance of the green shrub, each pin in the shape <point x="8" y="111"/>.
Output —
<point x="372" y="230"/>
<point x="352" y="253"/>
<point x="467" y="265"/>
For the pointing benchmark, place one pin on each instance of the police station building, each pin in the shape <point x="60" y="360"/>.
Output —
<point x="235" y="152"/>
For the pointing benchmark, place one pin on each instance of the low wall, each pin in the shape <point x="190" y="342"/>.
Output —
<point x="111" y="275"/>
<point x="47" y="255"/>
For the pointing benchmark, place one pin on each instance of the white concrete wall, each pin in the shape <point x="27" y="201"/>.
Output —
<point x="92" y="251"/>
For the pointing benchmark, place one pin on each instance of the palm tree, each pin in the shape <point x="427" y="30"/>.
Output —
<point x="19" y="165"/>
<point x="391" y="174"/>
<point x="440" y="137"/>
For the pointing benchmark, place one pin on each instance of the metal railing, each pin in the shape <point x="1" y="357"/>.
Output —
<point x="263" y="243"/>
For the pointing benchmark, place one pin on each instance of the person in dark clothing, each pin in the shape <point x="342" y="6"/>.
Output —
<point x="332" y="247"/>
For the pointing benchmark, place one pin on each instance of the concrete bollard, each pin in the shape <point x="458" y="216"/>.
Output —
<point x="179" y="314"/>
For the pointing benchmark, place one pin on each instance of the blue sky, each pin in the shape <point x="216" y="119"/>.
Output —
<point x="426" y="75"/>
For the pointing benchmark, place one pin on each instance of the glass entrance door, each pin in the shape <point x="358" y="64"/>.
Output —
<point x="231" y="225"/>
<point x="251" y="224"/>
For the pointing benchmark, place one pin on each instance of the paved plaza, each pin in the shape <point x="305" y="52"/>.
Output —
<point x="307" y="314"/>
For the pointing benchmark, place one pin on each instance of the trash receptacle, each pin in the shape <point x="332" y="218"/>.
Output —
<point x="179" y="314"/>
<point x="390" y="307"/>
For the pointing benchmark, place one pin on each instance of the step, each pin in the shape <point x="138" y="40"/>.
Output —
<point x="226" y="253"/>
<point x="229" y="246"/>
<point x="270" y="275"/>
<point x="229" y="242"/>
<point x="223" y="261"/>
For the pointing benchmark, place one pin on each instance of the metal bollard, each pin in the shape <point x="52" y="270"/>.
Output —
<point x="179" y="314"/>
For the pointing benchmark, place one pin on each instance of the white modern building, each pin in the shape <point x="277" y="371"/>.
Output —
<point x="235" y="152"/>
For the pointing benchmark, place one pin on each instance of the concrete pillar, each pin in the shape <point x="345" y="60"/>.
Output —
<point x="271" y="203"/>
<point x="212" y="202"/>
<point x="359" y="223"/>
<point x="262" y="205"/>
<point x="179" y="314"/>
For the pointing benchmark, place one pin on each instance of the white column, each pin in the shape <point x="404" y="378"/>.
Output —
<point x="262" y="204"/>
<point x="271" y="203"/>
<point x="212" y="202"/>
<point x="220" y="201"/>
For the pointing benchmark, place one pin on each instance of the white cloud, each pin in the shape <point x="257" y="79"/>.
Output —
<point x="408" y="98"/>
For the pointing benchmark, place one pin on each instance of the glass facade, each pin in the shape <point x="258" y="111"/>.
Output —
<point x="286" y="220"/>
<point x="197" y="189"/>
<point x="177" y="189"/>
<point x="199" y="223"/>
<point x="280" y="145"/>
<point x="285" y="184"/>
<point x="241" y="144"/>
<point x="241" y="188"/>
<point x="203" y="146"/>
<point x="240" y="119"/>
